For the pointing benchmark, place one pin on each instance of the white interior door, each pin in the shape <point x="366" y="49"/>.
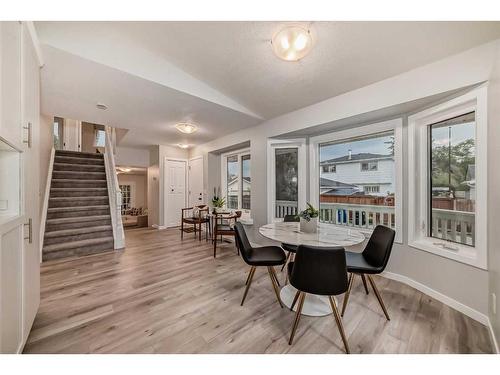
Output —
<point x="175" y="191"/>
<point x="72" y="135"/>
<point x="31" y="157"/>
<point x="196" y="196"/>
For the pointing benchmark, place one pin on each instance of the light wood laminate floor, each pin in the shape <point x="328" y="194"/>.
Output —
<point x="164" y="295"/>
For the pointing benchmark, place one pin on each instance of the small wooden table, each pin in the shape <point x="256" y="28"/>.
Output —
<point x="328" y="235"/>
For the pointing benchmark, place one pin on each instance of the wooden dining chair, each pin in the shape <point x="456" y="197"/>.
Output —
<point x="195" y="216"/>
<point x="224" y="226"/>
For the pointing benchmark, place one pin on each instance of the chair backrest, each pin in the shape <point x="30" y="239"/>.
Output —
<point x="379" y="246"/>
<point x="242" y="241"/>
<point x="291" y="218"/>
<point x="319" y="270"/>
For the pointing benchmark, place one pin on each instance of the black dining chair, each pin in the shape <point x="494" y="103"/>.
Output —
<point x="266" y="256"/>
<point x="371" y="261"/>
<point x="289" y="248"/>
<point x="321" y="271"/>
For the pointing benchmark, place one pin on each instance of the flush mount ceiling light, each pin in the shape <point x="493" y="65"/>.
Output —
<point x="124" y="170"/>
<point x="292" y="43"/>
<point x="101" y="106"/>
<point x="182" y="145"/>
<point x="186" y="128"/>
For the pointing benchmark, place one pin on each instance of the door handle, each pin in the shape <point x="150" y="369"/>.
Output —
<point x="28" y="128"/>
<point x="30" y="230"/>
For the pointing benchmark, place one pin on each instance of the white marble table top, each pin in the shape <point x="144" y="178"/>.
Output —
<point x="328" y="235"/>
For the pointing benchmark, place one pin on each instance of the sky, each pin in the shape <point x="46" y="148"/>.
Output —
<point x="372" y="145"/>
<point x="459" y="133"/>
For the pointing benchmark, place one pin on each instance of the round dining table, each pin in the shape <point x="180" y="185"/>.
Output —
<point x="327" y="235"/>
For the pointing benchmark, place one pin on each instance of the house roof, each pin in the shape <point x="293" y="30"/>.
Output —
<point x="356" y="158"/>
<point x="327" y="183"/>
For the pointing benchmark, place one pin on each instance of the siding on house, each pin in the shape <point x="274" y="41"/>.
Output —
<point x="349" y="172"/>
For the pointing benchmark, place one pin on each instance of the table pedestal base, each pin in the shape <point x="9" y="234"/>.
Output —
<point x="314" y="305"/>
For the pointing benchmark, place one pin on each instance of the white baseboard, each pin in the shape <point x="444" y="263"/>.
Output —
<point x="454" y="304"/>
<point x="159" y="227"/>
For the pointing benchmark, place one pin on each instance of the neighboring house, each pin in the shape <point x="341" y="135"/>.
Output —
<point x="372" y="174"/>
<point x="232" y="192"/>
<point x="330" y="187"/>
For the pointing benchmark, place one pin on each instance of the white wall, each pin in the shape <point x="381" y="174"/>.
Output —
<point x="465" y="284"/>
<point x="132" y="157"/>
<point x="494" y="193"/>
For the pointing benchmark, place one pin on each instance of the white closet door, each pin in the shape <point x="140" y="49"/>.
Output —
<point x="175" y="183"/>
<point x="196" y="182"/>
<point x="72" y="135"/>
<point x="31" y="156"/>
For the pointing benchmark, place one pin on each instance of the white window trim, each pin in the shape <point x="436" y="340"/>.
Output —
<point x="273" y="144"/>
<point x="245" y="214"/>
<point x="395" y="125"/>
<point x="475" y="100"/>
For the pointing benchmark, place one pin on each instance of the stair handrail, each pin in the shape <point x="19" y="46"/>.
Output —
<point x="46" y="197"/>
<point x="114" y="192"/>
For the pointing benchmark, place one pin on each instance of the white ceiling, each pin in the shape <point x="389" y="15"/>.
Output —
<point x="224" y="75"/>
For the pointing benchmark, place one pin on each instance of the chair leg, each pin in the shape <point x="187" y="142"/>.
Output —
<point x="295" y="300"/>
<point x="249" y="282"/>
<point x="339" y="323"/>
<point x="363" y="277"/>
<point x="346" y="296"/>
<point x="249" y="273"/>
<point x="297" y="317"/>
<point x="286" y="261"/>
<point x="215" y="244"/>
<point x="182" y="229"/>
<point x="199" y="231"/>
<point x="379" y="297"/>
<point x="270" y="270"/>
<point x="275" y="276"/>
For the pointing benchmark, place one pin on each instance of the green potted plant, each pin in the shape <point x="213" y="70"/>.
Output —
<point x="309" y="219"/>
<point x="218" y="202"/>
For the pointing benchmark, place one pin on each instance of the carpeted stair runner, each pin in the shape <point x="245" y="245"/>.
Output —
<point x="78" y="217"/>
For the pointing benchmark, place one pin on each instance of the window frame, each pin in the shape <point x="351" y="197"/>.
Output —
<point x="394" y="125"/>
<point x="246" y="214"/>
<point x="418" y="188"/>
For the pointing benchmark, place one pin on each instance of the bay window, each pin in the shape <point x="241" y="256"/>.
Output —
<point x="447" y="179"/>
<point x="364" y="188"/>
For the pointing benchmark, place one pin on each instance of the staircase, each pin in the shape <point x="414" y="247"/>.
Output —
<point x="78" y="215"/>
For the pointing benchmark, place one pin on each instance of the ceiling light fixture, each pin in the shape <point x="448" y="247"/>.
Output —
<point x="101" y="106"/>
<point x="182" y="145"/>
<point x="292" y="43"/>
<point x="186" y="128"/>
<point x="124" y="170"/>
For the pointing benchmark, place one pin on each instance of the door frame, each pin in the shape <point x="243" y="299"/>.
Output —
<point x="202" y="178"/>
<point x="302" y="173"/>
<point x="165" y="178"/>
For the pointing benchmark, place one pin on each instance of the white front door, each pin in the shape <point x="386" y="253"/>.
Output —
<point x="196" y="182"/>
<point x="72" y="135"/>
<point x="175" y="191"/>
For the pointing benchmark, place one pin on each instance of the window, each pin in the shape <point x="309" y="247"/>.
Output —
<point x="452" y="179"/>
<point x="286" y="177"/>
<point x="246" y="182"/>
<point x="447" y="179"/>
<point x="329" y="168"/>
<point x="369" y="189"/>
<point x="237" y="180"/>
<point x="126" y="198"/>
<point x="57" y="135"/>
<point x="365" y="190"/>
<point x="369" y="166"/>
<point x="100" y="138"/>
